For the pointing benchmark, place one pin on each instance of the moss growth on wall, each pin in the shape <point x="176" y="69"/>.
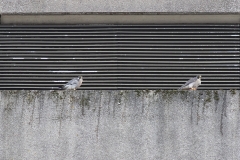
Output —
<point x="8" y="108"/>
<point x="85" y="101"/>
<point x="146" y="91"/>
<point x="169" y="93"/>
<point x="138" y="92"/>
<point x="12" y="92"/>
<point x="232" y="91"/>
<point x="208" y="97"/>
<point x="216" y="96"/>
<point x="56" y="94"/>
<point x="157" y="91"/>
<point x="31" y="96"/>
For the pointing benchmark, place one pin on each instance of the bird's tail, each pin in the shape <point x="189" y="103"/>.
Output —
<point x="62" y="87"/>
<point x="179" y="88"/>
<point x="183" y="88"/>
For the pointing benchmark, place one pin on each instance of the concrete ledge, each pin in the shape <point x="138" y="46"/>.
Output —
<point x="117" y="19"/>
<point x="125" y="125"/>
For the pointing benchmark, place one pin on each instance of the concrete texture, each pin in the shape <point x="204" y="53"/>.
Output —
<point x="121" y="125"/>
<point x="83" y="6"/>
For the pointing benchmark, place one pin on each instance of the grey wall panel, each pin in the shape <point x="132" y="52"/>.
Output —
<point x="123" y="6"/>
<point x="119" y="125"/>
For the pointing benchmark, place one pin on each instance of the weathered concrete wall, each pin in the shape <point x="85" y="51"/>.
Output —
<point x="81" y="6"/>
<point x="118" y="11"/>
<point x="125" y="125"/>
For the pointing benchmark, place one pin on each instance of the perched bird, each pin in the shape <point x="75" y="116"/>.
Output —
<point x="191" y="84"/>
<point x="74" y="83"/>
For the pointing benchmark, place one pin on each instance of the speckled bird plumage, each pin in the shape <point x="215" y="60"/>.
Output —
<point x="74" y="83"/>
<point x="192" y="84"/>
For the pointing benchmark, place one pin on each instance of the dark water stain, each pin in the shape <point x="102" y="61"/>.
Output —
<point x="98" y="117"/>
<point x="223" y="113"/>
<point x="198" y="106"/>
<point x="143" y="106"/>
<point x="192" y="100"/>
<point x="32" y="115"/>
<point x="208" y="98"/>
<point x="109" y="101"/>
<point x="216" y="99"/>
<point x="40" y="108"/>
<point x="60" y="120"/>
<point x="115" y="103"/>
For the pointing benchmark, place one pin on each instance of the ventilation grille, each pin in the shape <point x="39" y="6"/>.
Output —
<point x="119" y="56"/>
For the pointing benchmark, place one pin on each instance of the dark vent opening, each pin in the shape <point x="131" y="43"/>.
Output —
<point x="44" y="57"/>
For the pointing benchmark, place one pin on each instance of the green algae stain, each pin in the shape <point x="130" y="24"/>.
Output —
<point x="232" y="91"/>
<point x="208" y="98"/>
<point x="216" y="96"/>
<point x="85" y="101"/>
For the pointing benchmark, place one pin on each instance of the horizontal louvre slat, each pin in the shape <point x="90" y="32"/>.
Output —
<point x="119" y="56"/>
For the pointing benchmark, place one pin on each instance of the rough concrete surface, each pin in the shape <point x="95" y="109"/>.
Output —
<point x="119" y="125"/>
<point x="161" y="6"/>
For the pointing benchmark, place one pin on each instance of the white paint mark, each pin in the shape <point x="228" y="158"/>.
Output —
<point x="64" y="71"/>
<point x="44" y="58"/>
<point x="89" y="71"/>
<point x="59" y="81"/>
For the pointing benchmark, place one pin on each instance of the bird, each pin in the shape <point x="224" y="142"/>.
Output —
<point x="74" y="83"/>
<point x="192" y="83"/>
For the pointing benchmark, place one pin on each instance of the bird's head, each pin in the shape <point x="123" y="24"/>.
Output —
<point x="79" y="77"/>
<point x="199" y="76"/>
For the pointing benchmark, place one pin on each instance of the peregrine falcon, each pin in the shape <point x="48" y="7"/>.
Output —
<point x="191" y="84"/>
<point x="74" y="83"/>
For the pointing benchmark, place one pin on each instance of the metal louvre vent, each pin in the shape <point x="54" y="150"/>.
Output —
<point x="119" y="56"/>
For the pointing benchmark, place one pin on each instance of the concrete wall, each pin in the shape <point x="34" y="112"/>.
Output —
<point x="124" y="125"/>
<point x="118" y="11"/>
<point x="111" y="6"/>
